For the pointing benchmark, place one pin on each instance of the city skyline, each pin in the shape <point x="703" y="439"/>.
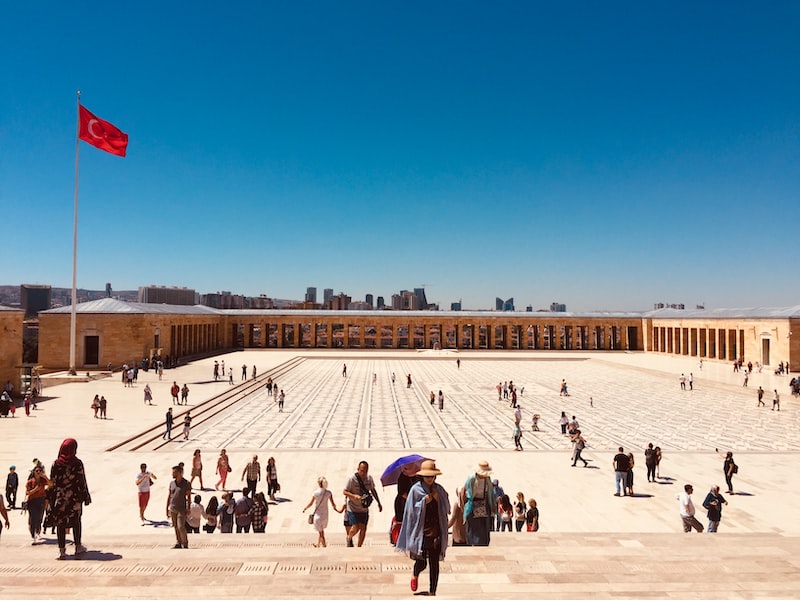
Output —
<point x="603" y="159"/>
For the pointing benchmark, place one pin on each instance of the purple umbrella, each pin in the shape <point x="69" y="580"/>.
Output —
<point x="392" y="473"/>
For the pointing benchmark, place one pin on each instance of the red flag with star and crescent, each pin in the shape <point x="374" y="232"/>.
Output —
<point x="102" y="134"/>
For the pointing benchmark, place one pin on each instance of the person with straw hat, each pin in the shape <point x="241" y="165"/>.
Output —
<point x="423" y="534"/>
<point x="480" y="506"/>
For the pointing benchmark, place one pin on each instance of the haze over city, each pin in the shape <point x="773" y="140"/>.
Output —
<point x="603" y="156"/>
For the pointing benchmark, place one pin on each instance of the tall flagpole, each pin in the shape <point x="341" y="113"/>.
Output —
<point x="73" y="316"/>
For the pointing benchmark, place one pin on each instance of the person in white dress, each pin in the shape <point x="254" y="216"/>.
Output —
<point x="319" y="500"/>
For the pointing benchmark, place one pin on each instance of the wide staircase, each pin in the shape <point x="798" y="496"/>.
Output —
<point x="515" y="565"/>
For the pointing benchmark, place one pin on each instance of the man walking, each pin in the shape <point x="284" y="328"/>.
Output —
<point x="760" y="397"/>
<point x="12" y="483"/>
<point x="169" y="420"/>
<point x="242" y="511"/>
<point x="687" y="511"/>
<point x="650" y="460"/>
<point x="621" y="465"/>
<point x="174" y="390"/>
<point x="360" y="491"/>
<point x="713" y="504"/>
<point x="252" y="471"/>
<point x="178" y="497"/>
<point x="144" y="479"/>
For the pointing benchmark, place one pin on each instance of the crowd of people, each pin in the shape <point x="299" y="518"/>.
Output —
<point x="424" y="512"/>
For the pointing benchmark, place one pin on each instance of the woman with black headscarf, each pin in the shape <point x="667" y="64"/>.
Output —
<point x="68" y="493"/>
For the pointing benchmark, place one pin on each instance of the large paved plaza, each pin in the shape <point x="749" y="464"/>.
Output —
<point x="330" y="422"/>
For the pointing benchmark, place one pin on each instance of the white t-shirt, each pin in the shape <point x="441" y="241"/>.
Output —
<point x="687" y="506"/>
<point x="195" y="515"/>
<point x="144" y="486"/>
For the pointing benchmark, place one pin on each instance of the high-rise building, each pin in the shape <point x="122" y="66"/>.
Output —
<point x="504" y="305"/>
<point x="368" y="300"/>
<point x="327" y="294"/>
<point x="381" y="303"/>
<point x="33" y="298"/>
<point x="455" y="305"/>
<point x="558" y="307"/>
<point x="422" y="301"/>
<point x="108" y="290"/>
<point x="311" y="295"/>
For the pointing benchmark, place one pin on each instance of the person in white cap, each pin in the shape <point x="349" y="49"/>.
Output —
<point x="423" y="534"/>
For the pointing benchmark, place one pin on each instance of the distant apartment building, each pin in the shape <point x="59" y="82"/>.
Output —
<point x="160" y="294"/>
<point x="340" y="302"/>
<point x="260" y="302"/>
<point x="223" y="300"/>
<point x="359" y="306"/>
<point x="34" y="298"/>
<point x="455" y="306"/>
<point x="660" y="305"/>
<point x="311" y="295"/>
<point x="558" y="307"/>
<point x="327" y="294"/>
<point x="504" y="305"/>
<point x="369" y="300"/>
<point x="381" y="303"/>
<point x="406" y="300"/>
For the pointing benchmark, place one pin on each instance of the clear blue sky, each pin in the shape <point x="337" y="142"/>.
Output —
<point x="603" y="155"/>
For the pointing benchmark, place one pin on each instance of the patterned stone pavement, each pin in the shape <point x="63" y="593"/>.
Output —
<point x="630" y="407"/>
<point x="592" y="543"/>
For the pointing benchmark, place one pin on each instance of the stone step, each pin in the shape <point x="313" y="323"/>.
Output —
<point x="517" y="565"/>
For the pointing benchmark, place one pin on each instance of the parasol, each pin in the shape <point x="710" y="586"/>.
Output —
<point x="392" y="472"/>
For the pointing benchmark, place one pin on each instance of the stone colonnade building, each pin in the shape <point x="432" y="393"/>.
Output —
<point x="114" y="332"/>
<point x="758" y="335"/>
<point x="11" y="332"/>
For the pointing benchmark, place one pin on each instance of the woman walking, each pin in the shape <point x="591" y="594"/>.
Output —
<point x="423" y="534"/>
<point x="225" y="513"/>
<point x="35" y="495"/>
<point x="260" y="512"/>
<point x="223" y="468"/>
<point x="532" y="516"/>
<point x="197" y="468"/>
<point x="319" y="518"/>
<point x="480" y="505"/>
<point x="457" y="519"/>
<point x="519" y="511"/>
<point x="729" y="467"/>
<point x="69" y="493"/>
<point x="505" y="510"/>
<point x="272" y="479"/>
<point x="629" y="477"/>
<point x="211" y="515"/>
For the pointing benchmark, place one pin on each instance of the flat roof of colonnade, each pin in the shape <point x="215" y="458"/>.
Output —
<point x="114" y="306"/>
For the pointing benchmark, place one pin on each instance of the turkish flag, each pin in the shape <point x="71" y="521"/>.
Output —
<point x="102" y="134"/>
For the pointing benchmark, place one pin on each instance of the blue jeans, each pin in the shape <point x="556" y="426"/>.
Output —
<point x="621" y="477"/>
<point x="712" y="526"/>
